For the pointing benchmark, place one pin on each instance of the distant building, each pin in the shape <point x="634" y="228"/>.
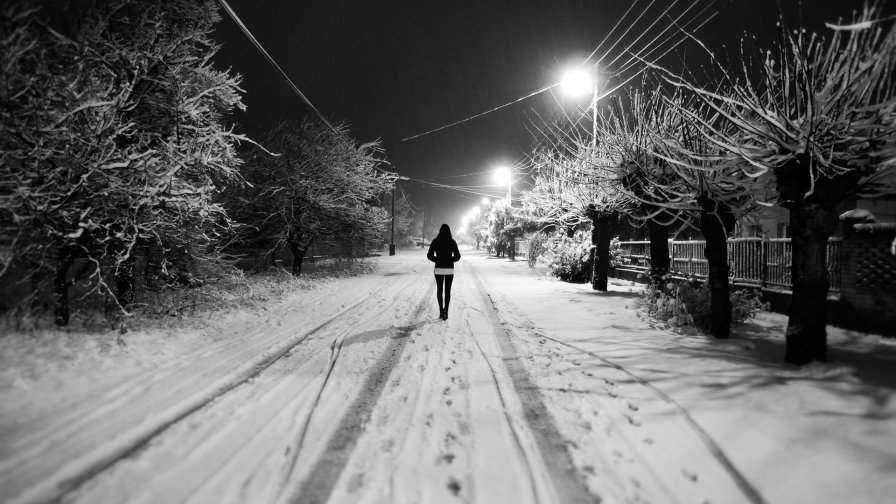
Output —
<point x="774" y="222"/>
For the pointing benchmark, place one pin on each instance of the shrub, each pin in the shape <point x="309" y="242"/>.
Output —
<point x="687" y="303"/>
<point x="568" y="258"/>
<point x="617" y="257"/>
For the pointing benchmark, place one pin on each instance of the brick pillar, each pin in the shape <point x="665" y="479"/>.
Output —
<point x="868" y="275"/>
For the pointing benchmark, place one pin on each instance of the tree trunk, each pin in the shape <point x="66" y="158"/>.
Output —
<point x="601" y="236"/>
<point x="124" y="283"/>
<point x="811" y="225"/>
<point x="659" y="251"/>
<point x="298" y="255"/>
<point x="61" y="284"/>
<point x="714" y="230"/>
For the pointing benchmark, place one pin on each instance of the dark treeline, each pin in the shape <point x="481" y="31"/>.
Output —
<point x="121" y="172"/>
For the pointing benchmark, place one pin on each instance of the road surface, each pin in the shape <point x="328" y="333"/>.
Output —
<point x="358" y="393"/>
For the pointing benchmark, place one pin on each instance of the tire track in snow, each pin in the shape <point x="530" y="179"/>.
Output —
<point x="551" y="443"/>
<point x="322" y="478"/>
<point x="239" y="455"/>
<point x="68" y="480"/>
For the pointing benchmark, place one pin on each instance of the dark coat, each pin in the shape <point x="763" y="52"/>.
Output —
<point x="443" y="252"/>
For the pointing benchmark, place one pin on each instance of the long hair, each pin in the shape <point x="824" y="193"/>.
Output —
<point x="444" y="232"/>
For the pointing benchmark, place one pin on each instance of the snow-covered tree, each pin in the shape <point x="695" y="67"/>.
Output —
<point x="576" y="184"/>
<point x="709" y="186"/>
<point x="500" y="221"/>
<point x="321" y="186"/>
<point x="817" y="113"/>
<point x="629" y="131"/>
<point x="114" y="145"/>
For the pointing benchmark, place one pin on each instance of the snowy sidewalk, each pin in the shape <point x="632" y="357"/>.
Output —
<point x="821" y="434"/>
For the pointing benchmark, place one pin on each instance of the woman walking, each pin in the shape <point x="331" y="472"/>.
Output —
<point x="443" y="251"/>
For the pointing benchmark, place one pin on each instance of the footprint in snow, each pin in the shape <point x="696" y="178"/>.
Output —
<point x="634" y="420"/>
<point x="690" y="475"/>
<point x="355" y="482"/>
<point x="454" y="486"/>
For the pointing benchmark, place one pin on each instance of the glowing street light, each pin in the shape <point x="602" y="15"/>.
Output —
<point x="577" y="83"/>
<point x="504" y="177"/>
<point x="486" y="202"/>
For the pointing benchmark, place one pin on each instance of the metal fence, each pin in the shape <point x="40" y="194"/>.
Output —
<point x="751" y="261"/>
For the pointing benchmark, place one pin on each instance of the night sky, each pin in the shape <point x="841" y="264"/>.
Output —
<point x="394" y="69"/>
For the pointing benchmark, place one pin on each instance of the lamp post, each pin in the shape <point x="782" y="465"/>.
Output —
<point x="505" y="176"/>
<point x="577" y="83"/>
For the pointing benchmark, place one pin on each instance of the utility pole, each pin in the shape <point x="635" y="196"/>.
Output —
<point x="392" y="241"/>
<point x="423" y="229"/>
<point x="594" y="115"/>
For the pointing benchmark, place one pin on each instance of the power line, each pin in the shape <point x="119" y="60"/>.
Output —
<point x="550" y="87"/>
<point x="261" y="49"/>
<point x="499" y="107"/>
<point x="542" y="90"/>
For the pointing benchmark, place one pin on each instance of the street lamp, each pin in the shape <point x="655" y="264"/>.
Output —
<point x="504" y="177"/>
<point x="577" y="83"/>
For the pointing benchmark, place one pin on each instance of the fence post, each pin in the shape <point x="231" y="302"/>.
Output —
<point x="672" y="256"/>
<point x="763" y="276"/>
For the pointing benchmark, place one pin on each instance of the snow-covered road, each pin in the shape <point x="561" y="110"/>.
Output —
<point x="532" y="392"/>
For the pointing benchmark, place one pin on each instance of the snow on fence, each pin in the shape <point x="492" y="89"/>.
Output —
<point x="751" y="261"/>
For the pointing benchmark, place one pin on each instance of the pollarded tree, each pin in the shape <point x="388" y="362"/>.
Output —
<point x="629" y="131"/>
<point x="817" y="113"/>
<point x="710" y="186"/>
<point x="320" y="187"/>
<point x="575" y="184"/>
<point x="114" y="144"/>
